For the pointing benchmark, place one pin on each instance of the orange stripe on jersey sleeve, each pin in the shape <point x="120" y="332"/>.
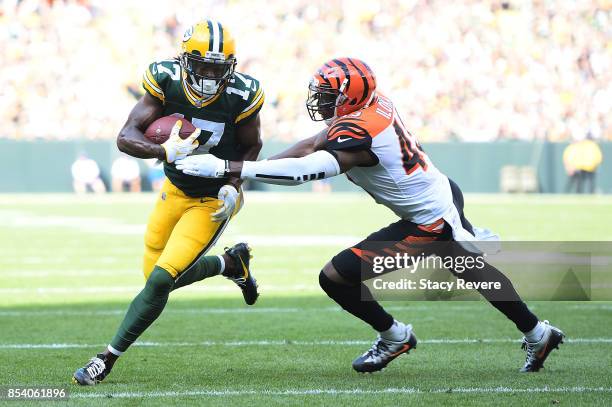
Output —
<point x="368" y="122"/>
<point x="348" y="128"/>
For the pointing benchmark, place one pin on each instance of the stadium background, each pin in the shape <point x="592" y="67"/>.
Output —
<point x="524" y="78"/>
<point x="483" y="84"/>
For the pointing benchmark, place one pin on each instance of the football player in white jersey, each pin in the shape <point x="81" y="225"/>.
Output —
<point x="367" y="140"/>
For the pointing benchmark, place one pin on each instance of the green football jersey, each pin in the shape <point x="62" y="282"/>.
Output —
<point x="218" y="118"/>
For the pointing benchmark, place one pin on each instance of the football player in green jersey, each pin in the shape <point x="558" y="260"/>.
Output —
<point x="202" y="86"/>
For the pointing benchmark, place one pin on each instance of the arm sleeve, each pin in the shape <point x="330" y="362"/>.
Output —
<point x="292" y="171"/>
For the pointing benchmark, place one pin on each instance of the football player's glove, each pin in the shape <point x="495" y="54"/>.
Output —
<point x="177" y="148"/>
<point x="204" y="165"/>
<point x="229" y="195"/>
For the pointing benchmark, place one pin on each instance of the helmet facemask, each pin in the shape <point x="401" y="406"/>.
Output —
<point x="322" y="102"/>
<point x="207" y="76"/>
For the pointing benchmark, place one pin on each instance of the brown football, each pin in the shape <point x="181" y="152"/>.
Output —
<point x="159" y="131"/>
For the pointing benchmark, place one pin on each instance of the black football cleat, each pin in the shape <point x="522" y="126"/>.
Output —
<point x="538" y="352"/>
<point x="241" y="275"/>
<point x="383" y="352"/>
<point x="93" y="372"/>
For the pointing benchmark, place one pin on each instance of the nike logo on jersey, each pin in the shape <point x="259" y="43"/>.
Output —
<point x="342" y="140"/>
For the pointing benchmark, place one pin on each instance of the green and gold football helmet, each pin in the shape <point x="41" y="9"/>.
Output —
<point x="207" y="59"/>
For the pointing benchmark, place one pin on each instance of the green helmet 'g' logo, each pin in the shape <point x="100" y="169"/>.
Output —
<point x="188" y="34"/>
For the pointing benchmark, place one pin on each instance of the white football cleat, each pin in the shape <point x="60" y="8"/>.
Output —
<point x="383" y="351"/>
<point x="537" y="352"/>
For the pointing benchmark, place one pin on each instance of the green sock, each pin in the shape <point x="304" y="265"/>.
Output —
<point x="144" y="309"/>
<point x="204" y="267"/>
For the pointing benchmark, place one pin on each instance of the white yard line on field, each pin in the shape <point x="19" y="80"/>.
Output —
<point x="258" y="310"/>
<point x="88" y="224"/>
<point x="50" y="291"/>
<point x="63" y="260"/>
<point x="14" y="272"/>
<point x="135" y="289"/>
<point x="262" y="310"/>
<point x="102" y="225"/>
<point x="335" y="392"/>
<point x="284" y="342"/>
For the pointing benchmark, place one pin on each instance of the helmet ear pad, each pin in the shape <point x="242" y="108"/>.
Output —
<point x="347" y="106"/>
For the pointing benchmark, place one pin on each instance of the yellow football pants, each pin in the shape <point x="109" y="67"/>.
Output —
<point x="180" y="230"/>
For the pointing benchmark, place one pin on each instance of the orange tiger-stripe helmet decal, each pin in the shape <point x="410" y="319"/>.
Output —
<point x="351" y="79"/>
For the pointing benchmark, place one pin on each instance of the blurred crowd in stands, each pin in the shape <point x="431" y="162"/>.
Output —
<point x="126" y="175"/>
<point x="466" y="70"/>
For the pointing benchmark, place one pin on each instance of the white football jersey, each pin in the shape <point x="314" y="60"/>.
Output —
<point x="404" y="180"/>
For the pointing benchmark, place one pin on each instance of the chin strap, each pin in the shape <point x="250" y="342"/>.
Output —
<point x="196" y="96"/>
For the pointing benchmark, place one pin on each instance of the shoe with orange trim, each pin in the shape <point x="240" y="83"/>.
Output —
<point x="241" y="275"/>
<point x="383" y="351"/>
<point x="538" y="352"/>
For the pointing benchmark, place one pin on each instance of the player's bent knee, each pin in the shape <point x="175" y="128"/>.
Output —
<point x="169" y="267"/>
<point x="160" y="281"/>
<point x="333" y="289"/>
<point x="326" y="284"/>
<point x="332" y="274"/>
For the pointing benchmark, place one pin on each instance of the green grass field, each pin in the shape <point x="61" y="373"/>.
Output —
<point x="69" y="267"/>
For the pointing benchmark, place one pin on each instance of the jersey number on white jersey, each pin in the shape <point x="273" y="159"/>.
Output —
<point x="413" y="156"/>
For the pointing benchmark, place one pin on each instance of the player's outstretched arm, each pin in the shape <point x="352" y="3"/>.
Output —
<point x="131" y="138"/>
<point x="304" y="147"/>
<point x="284" y="171"/>
<point x="288" y="171"/>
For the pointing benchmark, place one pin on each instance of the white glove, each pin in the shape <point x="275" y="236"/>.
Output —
<point x="177" y="148"/>
<point x="203" y="165"/>
<point x="229" y="195"/>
